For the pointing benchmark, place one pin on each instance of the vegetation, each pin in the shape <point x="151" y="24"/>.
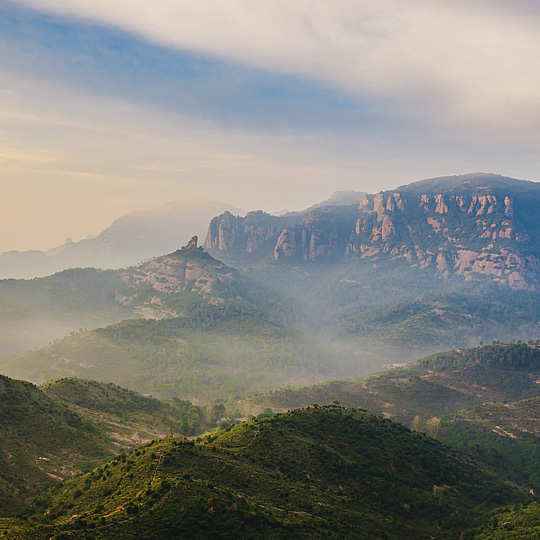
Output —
<point x="216" y="351"/>
<point x="323" y="472"/>
<point x="69" y="426"/>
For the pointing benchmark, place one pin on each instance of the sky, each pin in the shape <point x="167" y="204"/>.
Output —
<point x="107" y="106"/>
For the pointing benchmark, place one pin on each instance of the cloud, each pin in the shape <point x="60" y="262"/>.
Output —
<point x="71" y="163"/>
<point x="256" y="103"/>
<point x="463" y="65"/>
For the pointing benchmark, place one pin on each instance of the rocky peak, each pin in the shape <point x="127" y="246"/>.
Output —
<point x="381" y="203"/>
<point x="193" y="242"/>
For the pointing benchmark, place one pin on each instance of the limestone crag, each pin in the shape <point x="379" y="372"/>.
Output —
<point x="469" y="231"/>
<point x="169" y="275"/>
<point x="256" y="232"/>
<point x="317" y="238"/>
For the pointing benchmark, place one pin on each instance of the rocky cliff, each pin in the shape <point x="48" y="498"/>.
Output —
<point x="470" y="226"/>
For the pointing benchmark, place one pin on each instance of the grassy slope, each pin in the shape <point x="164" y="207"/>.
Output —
<point x="41" y="440"/>
<point x="126" y="416"/>
<point x="314" y="473"/>
<point x="479" y="400"/>
<point x="505" y="435"/>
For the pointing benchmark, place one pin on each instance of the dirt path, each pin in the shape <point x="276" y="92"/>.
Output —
<point x="157" y="467"/>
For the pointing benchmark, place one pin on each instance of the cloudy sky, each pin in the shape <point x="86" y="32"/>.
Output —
<point x="112" y="105"/>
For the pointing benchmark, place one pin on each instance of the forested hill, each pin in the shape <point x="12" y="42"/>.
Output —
<point x="68" y="426"/>
<point x="210" y="352"/>
<point x="35" y="312"/>
<point x="314" y="473"/>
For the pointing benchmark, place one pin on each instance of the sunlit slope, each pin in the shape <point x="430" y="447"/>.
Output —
<point x="314" y="473"/>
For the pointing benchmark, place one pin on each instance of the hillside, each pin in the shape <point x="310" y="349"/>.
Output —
<point x="313" y="473"/>
<point x="212" y="352"/>
<point x="68" y="426"/>
<point x="505" y="435"/>
<point x="36" y="312"/>
<point x="441" y="383"/>
<point x="41" y="440"/>
<point x="519" y="522"/>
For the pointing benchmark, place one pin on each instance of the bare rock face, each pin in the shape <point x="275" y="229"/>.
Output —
<point x="193" y="242"/>
<point x="441" y="207"/>
<point x="509" y="204"/>
<point x="286" y="245"/>
<point x="432" y="232"/>
<point x="255" y="233"/>
<point x="471" y="230"/>
<point x="317" y="238"/>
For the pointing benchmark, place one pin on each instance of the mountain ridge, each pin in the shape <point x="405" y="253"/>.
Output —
<point x="471" y="227"/>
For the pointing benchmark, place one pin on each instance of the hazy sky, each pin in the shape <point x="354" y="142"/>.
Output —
<point x="112" y="105"/>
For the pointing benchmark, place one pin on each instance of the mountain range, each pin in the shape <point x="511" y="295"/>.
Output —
<point x="471" y="226"/>
<point x="365" y="286"/>
<point x="247" y="344"/>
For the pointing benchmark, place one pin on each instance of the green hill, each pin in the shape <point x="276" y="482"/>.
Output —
<point x="203" y="331"/>
<point x="125" y="416"/>
<point x="41" y="441"/>
<point x="215" y="351"/>
<point x="49" y="434"/>
<point x="504" y="435"/>
<point x="485" y="401"/>
<point x="519" y="522"/>
<point x="313" y="473"/>
<point x="441" y="383"/>
<point x="35" y="312"/>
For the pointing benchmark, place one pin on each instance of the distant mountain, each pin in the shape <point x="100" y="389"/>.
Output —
<point x="131" y="239"/>
<point x="324" y="472"/>
<point x="338" y="198"/>
<point x="437" y="264"/>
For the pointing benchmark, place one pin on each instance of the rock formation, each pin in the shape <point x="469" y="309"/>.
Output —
<point x="469" y="230"/>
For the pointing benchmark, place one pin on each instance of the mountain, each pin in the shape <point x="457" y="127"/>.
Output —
<point x="312" y="473"/>
<point x="132" y="238"/>
<point x="35" y="312"/>
<point x="203" y="331"/>
<point x="438" y="264"/>
<point x="471" y="226"/>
